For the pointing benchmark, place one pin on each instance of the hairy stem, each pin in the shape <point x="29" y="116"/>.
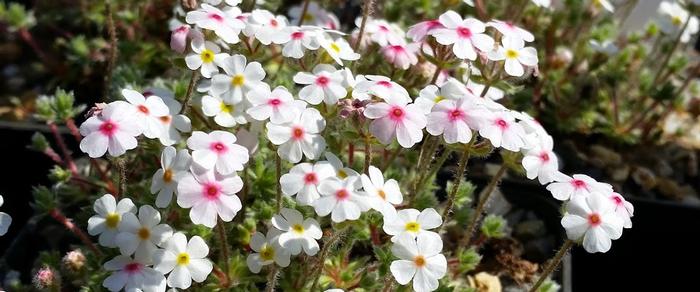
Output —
<point x="459" y="176"/>
<point x="64" y="149"/>
<point x="667" y="58"/>
<point x="324" y="254"/>
<point x="483" y="198"/>
<point x="553" y="264"/>
<point x="303" y="12"/>
<point x="368" y="153"/>
<point x="272" y="278"/>
<point x="190" y="89"/>
<point x="113" y="49"/>
<point x="68" y="224"/>
<point x="223" y="245"/>
<point x="366" y="10"/>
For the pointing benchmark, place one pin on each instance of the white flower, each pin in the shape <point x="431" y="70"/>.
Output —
<point x="493" y="93"/>
<point x="267" y="251"/>
<point x="132" y="275"/>
<point x="297" y="233"/>
<point x="276" y="105"/>
<point x="226" y="25"/>
<point x="217" y="150"/>
<point x="593" y="219"/>
<point x="540" y="162"/>
<point x="623" y="209"/>
<point x="581" y="185"/>
<point x="174" y="123"/>
<point x="164" y="182"/>
<point x="239" y="80"/>
<point x="341" y="198"/>
<point x="401" y="55"/>
<point x="382" y="32"/>
<point x="515" y="55"/>
<point x="465" y="35"/>
<point x="324" y="84"/>
<point x="114" y="131"/>
<point x="456" y="119"/>
<point x="429" y="96"/>
<point x="142" y="235"/>
<point x="299" y="136"/>
<point x="395" y="118"/>
<point x="185" y="261"/>
<point x="206" y="56"/>
<point x="419" y="259"/>
<point x="382" y="195"/>
<point x="268" y="28"/>
<point x="380" y="86"/>
<point x="341" y="171"/>
<point x="210" y="196"/>
<point x="315" y="15"/>
<point x="5" y="219"/>
<point x="674" y="17"/>
<point x="411" y="222"/>
<point x="109" y="215"/>
<point x="604" y="4"/>
<point x="502" y="130"/>
<point x="225" y="114"/>
<point x="301" y="39"/>
<point x="542" y="3"/>
<point x="148" y="112"/>
<point x="303" y="180"/>
<point x="509" y="30"/>
<point x="338" y="49"/>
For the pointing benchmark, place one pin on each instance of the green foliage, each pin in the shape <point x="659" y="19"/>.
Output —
<point x="493" y="226"/>
<point x="468" y="260"/>
<point x="58" y="107"/>
<point x="16" y="16"/>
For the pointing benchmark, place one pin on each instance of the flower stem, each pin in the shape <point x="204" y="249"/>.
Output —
<point x="434" y="169"/>
<point x="459" y="176"/>
<point x="553" y="264"/>
<point x="113" y="49"/>
<point x="324" y="254"/>
<point x="391" y="158"/>
<point x="64" y="149"/>
<point x="272" y="279"/>
<point x="68" y="224"/>
<point x="388" y="282"/>
<point x="121" y="165"/>
<point x="676" y="42"/>
<point x="190" y="89"/>
<point x="223" y="242"/>
<point x="303" y="12"/>
<point x="278" y="170"/>
<point x="365" y="15"/>
<point x="483" y="198"/>
<point x="368" y="153"/>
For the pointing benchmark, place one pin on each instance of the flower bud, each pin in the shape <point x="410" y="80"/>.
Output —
<point x="74" y="260"/>
<point x="45" y="278"/>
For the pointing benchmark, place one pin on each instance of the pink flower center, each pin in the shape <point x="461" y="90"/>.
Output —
<point x="165" y="119"/>
<point x="273" y="22"/>
<point x="617" y="200"/>
<point x="297" y="133"/>
<point x="396" y="113"/>
<point x="218" y="147"/>
<point x="578" y="184"/>
<point x="310" y="178"/>
<point x="274" y="102"/>
<point x="386" y="84"/>
<point x="108" y="128"/>
<point x="544" y="156"/>
<point x="132" y="268"/>
<point x="594" y="219"/>
<point x="342" y="194"/>
<point x="322" y="81"/>
<point x="464" y="32"/>
<point x="143" y="109"/>
<point x="501" y="123"/>
<point x="216" y="17"/>
<point x="211" y="191"/>
<point x="181" y="29"/>
<point x="434" y="23"/>
<point x="383" y="28"/>
<point x="297" y="35"/>
<point x="397" y="49"/>
<point x="148" y="93"/>
<point x="455" y="114"/>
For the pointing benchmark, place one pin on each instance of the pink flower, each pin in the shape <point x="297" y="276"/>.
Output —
<point x="593" y="221"/>
<point x="419" y="31"/>
<point x="455" y="119"/>
<point x="510" y="30"/>
<point x="178" y="38"/>
<point x="566" y="187"/>
<point x="540" y="161"/>
<point x="401" y="56"/>
<point x="465" y="35"/>
<point x="396" y="118"/>
<point x="217" y="150"/>
<point x="148" y="112"/>
<point x="623" y="209"/>
<point x="299" y="136"/>
<point x="276" y="105"/>
<point x="382" y="32"/>
<point x="210" y="195"/>
<point x="226" y="25"/>
<point x="324" y="84"/>
<point x="502" y="130"/>
<point x="380" y="86"/>
<point x="113" y="131"/>
<point x="301" y="39"/>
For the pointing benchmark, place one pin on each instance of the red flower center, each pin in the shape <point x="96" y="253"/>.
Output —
<point x="383" y="28"/>
<point x="211" y="191"/>
<point x="143" y="109"/>
<point x="218" y="147"/>
<point x="397" y="49"/>
<point x="273" y="22"/>
<point x="165" y="119"/>
<point x="297" y="133"/>
<point x="594" y="219"/>
<point x="132" y="268"/>
<point x="501" y="123"/>
<point x="274" y="102"/>
<point x="108" y="128"/>
<point x="148" y="92"/>
<point x="455" y="114"/>
<point x="342" y="194"/>
<point x="397" y="114"/>
<point x="578" y="184"/>
<point x="322" y="81"/>
<point x="297" y="35"/>
<point x="544" y="156"/>
<point x="464" y="32"/>
<point x="617" y="200"/>
<point x="216" y="17"/>
<point x="384" y="83"/>
<point x="310" y="178"/>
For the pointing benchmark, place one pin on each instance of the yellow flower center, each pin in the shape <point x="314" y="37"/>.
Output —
<point x="419" y="261"/>
<point x="267" y="253"/>
<point x="207" y="56"/>
<point x="511" y="54"/>
<point x="238" y="80"/>
<point x="168" y="175"/>
<point x="226" y="108"/>
<point x="677" y="21"/>
<point x="382" y="194"/>
<point x="342" y="174"/>
<point x="439" y="98"/>
<point x="412" y="226"/>
<point x="112" y="220"/>
<point x="308" y="17"/>
<point x="183" y="259"/>
<point x="298" y="228"/>
<point x="144" y="233"/>
<point x="335" y="47"/>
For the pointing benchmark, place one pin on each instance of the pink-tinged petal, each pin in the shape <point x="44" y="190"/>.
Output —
<point x="384" y="129"/>
<point x="463" y="49"/>
<point x="95" y="144"/>
<point x="377" y="110"/>
<point x="450" y="19"/>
